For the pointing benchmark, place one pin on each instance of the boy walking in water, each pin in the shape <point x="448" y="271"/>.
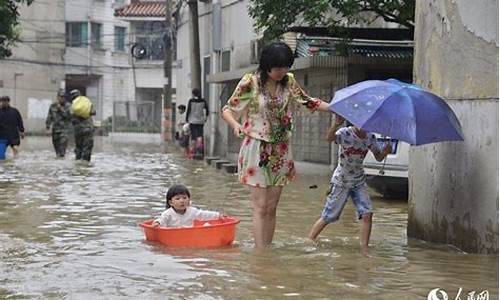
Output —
<point x="348" y="179"/>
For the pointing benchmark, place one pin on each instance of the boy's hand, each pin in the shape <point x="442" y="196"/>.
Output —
<point x="155" y="224"/>
<point x="387" y="149"/>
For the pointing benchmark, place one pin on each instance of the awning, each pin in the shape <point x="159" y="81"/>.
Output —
<point x="142" y="9"/>
<point x="320" y="52"/>
<point x="230" y="75"/>
<point x="325" y="46"/>
<point x="300" y="63"/>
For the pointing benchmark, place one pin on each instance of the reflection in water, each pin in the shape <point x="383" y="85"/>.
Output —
<point x="71" y="231"/>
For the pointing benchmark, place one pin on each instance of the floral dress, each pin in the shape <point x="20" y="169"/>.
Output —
<point x="265" y="157"/>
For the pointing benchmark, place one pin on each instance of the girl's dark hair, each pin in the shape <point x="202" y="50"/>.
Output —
<point x="177" y="189"/>
<point x="275" y="55"/>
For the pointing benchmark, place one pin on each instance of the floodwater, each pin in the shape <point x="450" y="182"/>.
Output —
<point x="69" y="231"/>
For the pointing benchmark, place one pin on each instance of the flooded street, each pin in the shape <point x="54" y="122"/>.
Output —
<point x="69" y="231"/>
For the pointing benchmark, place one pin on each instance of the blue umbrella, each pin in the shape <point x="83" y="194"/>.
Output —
<point x="399" y="110"/>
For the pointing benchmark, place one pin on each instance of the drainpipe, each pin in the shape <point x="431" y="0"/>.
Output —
<point x="216" y="48"/>
<point x="195" y="45"/>
<point x="89" y="42"/>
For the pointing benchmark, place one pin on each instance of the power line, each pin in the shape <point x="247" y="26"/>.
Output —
<point x="157" y="32"/>
<point x="48" y="63"/>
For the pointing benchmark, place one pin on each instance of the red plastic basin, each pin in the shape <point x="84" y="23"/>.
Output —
<point x="203" y="234"/>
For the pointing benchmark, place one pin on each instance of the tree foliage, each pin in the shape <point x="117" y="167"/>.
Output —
<point x="275" y="17"/>
<point x="9" y="19"/>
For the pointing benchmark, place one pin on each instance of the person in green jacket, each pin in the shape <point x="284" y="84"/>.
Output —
<point x="84" y="132"/>
<point x="59" y="118"/>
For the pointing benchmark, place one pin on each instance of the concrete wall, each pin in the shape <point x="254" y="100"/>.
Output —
<point x="454" y="186"/>
<point x="32" y="75"/>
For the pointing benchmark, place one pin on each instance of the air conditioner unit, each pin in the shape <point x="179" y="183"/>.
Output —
<point x="255" y="47"/>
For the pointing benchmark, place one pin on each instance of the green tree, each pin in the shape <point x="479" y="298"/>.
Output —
<point x="9" y="19"/>
<point x="275" y="17"/>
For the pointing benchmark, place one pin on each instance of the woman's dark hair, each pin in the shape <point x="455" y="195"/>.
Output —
<point x="181" y="107"/>
<point x="177" y="189"/>
<point x="275" y="55"/>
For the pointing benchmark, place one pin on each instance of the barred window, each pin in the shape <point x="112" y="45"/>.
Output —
<point x="76" y="34"/>
<point x="120" y="38"/>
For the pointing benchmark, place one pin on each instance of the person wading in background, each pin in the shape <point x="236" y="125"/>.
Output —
<point x="11" y="125"/>
<point x="196" y="116"/>
<point x="82" y="112"/>
<point x="59" y="117"/>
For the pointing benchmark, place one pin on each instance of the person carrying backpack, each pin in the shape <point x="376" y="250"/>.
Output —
<point x="82" y="111"/>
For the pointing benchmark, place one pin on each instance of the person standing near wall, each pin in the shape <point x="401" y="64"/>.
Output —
<point x="82" y="112"/>
<point x="196" y="116"/>
<point x="59" y="117"/>
<point x="11" y="125"/>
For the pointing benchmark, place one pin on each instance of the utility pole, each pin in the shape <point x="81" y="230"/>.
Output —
<point x="195" y="45"/>
<point x="168" y="116"/>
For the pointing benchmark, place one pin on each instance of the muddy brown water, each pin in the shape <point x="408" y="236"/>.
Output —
<point x="69" y="231"/>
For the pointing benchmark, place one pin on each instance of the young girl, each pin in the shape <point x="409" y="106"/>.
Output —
<point x="179" y="213"/>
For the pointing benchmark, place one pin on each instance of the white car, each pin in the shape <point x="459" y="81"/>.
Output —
<point x="390" y="176"/>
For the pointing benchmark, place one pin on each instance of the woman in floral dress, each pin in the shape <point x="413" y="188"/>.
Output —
<point x="265" y="102"/>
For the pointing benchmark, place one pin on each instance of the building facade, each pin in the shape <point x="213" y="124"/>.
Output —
<point x="147" y="24"/>
<point x="68" y="44"/>
<point x="97" y="55"/>
<point x="230" y="48"/>
<point x="35" y="71"/>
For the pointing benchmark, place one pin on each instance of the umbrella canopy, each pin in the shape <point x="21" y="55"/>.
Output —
<point x="399" y="110"/>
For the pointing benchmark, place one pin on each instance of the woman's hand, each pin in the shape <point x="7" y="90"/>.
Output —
<point x="228" y="116"/>
<point x="238" y="131"/>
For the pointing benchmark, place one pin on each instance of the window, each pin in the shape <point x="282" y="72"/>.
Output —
<point x="76" y="34"/>
<point x="226" y="60"/>
<point x="120" y="38"/>
<point x="96" y="35"/>
<point x="150" y="35"/>
<point x="154" y="47"/>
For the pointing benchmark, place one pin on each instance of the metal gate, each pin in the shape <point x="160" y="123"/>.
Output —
<point x="131" y="116"/>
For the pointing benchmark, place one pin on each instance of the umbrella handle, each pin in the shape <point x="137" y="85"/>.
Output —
<point x="382" y="172"/>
